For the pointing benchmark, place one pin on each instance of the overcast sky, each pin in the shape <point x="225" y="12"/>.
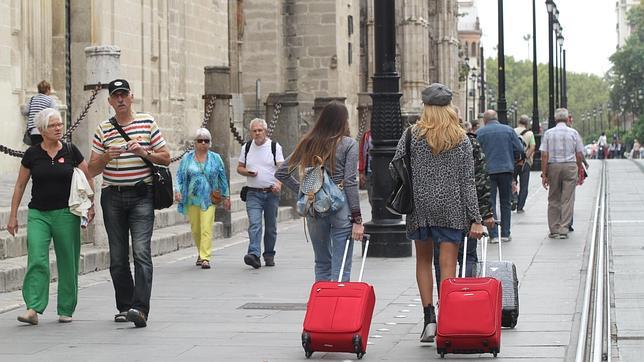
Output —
<point x="588" y="29"/>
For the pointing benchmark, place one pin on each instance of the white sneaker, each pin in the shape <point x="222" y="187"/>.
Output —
<point x="506" y="239"/>
<point x="494" y="240"/>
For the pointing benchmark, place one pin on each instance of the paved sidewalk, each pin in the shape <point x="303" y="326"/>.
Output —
<point x="197" y="314"/>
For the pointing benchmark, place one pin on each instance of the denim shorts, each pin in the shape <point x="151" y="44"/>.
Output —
<point x="437" y="234"/>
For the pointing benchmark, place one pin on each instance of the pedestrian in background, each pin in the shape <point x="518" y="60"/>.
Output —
<point x="201" y="173"/>
<point x="523" y="169"/>
<point x="561" y="158"/>
<point x="258" y="161"/>
<point x="502" y="149"/>
<point x="635" y="152"/>
<point x="127" y="198"/>
<point x="445" y="203"/>
<point x="50" y="165"/>
<point x="329" y="140"/>
<point x="36" y="104"/>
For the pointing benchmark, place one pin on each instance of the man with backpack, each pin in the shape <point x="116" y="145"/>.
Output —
<point x="258" y="161"/>
<point x="523" y="170"/>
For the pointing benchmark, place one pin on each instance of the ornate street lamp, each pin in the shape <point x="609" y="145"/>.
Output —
<point x="560" y="40"/>
<point x="536" y="163"/>
<point x="467" y="75"/>
<point x="388" y="235"/>
<point x="550" y="5"/>
<point x="483" y="84"/>
<point x="564" y="84"/>
<point x="502" y="105"/>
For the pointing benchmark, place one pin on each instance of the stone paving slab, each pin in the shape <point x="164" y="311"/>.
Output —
<point x="196" y="314"/>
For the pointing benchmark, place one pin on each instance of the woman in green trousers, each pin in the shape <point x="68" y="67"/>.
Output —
<point x="50" y="165"/>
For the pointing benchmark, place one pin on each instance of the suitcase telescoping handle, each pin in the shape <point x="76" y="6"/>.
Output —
<point x="364" y="257"/>
<point x="498" y="230"/>
<point x="463" y="265"/>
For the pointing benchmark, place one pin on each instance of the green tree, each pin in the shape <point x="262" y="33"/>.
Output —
<point x="627" y="75"/>
<point x="588" y="94"/>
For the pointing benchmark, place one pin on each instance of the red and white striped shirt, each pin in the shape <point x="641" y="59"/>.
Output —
<point x="128" y="168"/>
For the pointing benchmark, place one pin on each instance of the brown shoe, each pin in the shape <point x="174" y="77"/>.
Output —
<point x="30" y="317"/>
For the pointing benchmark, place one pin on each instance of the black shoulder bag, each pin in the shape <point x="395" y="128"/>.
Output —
<point x="401" y="200"/>
<point x="161" y="177"/>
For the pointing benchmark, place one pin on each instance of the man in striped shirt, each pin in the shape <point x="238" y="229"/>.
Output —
<point x="126" y="198"/>
<point x="36" y="104"/>
<point x="561" y="157"/>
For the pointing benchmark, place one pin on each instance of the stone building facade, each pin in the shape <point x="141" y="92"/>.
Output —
<point x="469" y="35"/>
<point x="165" y="45"/>
<point x="307" y="49"/>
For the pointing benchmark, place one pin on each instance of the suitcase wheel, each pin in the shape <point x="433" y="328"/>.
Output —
<point x="360" y="355"/>
<point x="495" y="352"/>
<point x="441" y="351"/>
<point x="306" y="344"/>
<point x="357" y="346"/>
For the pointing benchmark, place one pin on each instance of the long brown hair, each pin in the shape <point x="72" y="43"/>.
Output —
<point x="440" y="127"/>
<point x="322" y="139"/>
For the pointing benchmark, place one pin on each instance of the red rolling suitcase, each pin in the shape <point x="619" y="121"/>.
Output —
<point x="338" y="314"/>
<point x="469" y="315"/>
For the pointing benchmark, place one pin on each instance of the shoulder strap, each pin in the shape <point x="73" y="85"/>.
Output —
<point x="274" y="151"/>
<point x="127" y="139"/>
<point x="525" y="131"/>
<point x="407" y="149"/>
<point x="246" y="149"/>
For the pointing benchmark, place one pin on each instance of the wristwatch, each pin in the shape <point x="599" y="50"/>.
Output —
<point x="355" y="220"/>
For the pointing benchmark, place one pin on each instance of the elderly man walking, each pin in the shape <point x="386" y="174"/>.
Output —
<point x="501" y="147"/>
<point x="561" y="157"/>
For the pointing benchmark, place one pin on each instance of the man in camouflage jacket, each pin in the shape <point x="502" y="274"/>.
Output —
<point x="482" y="180"/>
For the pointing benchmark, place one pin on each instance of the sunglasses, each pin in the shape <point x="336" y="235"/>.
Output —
<point x="203" y="141"/>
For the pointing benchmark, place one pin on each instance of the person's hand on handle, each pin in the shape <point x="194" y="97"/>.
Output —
<point x="357" y="232"/>
<point x="476" y="231"/>
<point x="489" y="222"/>
<point x="177" y="196"/>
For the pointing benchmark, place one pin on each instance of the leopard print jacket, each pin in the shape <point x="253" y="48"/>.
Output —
<point x="443" y="185"/>
<point x="482" y="179"/>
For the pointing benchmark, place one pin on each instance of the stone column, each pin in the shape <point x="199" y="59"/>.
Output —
<point x="217" y="84"/>
<point x="287" y="131"/>
<point x="320" y="102"/>
<point x="102" y="66"/>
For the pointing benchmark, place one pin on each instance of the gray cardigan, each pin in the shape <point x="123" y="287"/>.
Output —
<point x="346" y="169"/>
<point x="443" y="185"/>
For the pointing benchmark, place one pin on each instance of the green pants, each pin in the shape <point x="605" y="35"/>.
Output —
<point x="64" y="228"/>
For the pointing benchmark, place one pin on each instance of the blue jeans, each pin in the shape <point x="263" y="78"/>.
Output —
<point x="329" y="236"/>
<point x="524" y="179"/>
<point x="257" y="203"/>
<point x="126" y="212"/>
<point x="502" y="182"/>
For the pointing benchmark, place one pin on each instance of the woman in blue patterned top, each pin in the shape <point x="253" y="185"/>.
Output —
<point x="201" y="173"/>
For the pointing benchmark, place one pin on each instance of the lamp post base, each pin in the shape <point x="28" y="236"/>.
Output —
<point x="388" y="240"/>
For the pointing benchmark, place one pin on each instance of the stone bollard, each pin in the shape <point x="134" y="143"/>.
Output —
<point x="102" y="66"/>
<point x="217" y="84"/>
<point x="286" y="131"/>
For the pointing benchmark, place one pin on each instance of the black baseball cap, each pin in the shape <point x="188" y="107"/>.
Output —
<point x="118" y="84"/>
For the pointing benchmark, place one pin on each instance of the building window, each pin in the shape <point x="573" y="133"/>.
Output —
<point x="350" y="24"/>
<point x="350" y="54"/>
<point x="467" y="49"/>
<point x="474" y="50"/>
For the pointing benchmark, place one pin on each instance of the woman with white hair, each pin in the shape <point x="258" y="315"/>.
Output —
<point x="201" y="174"/>
<point x="50" y="165"/>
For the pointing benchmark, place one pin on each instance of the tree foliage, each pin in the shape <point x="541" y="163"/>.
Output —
<point x="586" y="93"/>
<point x="627" y="74"/>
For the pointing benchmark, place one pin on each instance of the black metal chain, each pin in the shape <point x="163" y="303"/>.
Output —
<point x="206" y="118"/>
<point x="271" y="125"/>
<point x="231" y="125"/>
<point x="83" y="114"/>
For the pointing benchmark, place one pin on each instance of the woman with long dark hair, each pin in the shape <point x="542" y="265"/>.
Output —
<point x="329" y="142"/>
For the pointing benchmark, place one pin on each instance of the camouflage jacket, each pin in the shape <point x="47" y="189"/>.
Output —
<point x="481" y="178"/>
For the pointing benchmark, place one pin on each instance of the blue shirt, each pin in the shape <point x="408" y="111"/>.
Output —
<point x="500" y="143"/>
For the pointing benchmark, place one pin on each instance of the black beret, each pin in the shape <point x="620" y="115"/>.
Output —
<point x="437" y="95"/>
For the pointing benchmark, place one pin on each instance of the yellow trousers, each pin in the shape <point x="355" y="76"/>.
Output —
<point x="201" y="225"/>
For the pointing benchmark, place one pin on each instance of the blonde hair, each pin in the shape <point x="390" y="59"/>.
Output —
<point x="439" y="125"/>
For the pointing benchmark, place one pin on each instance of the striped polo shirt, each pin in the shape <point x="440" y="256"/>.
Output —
<point x="128" y="168"/>
<point x="36" y="104"/>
